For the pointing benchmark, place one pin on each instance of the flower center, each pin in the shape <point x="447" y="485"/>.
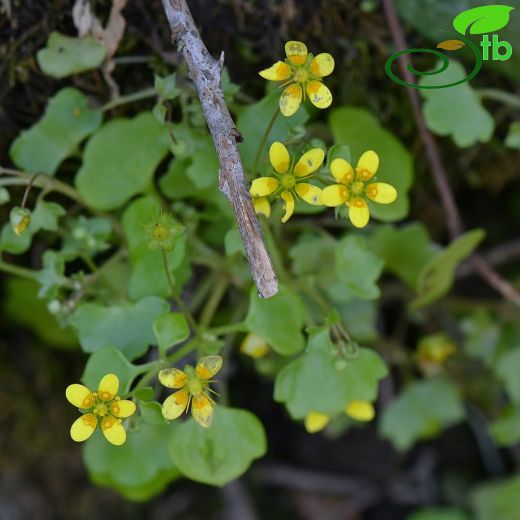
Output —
<point x="301" y="76"/>
<point x="160" y="232"/>
<point x="288" y="181"/>
<point x="357" y="187"/>
<point x="101" y="409"/>
<point x="195" y="387"/>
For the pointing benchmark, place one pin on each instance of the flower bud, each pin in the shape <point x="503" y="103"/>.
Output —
<point x="20" y="219"/>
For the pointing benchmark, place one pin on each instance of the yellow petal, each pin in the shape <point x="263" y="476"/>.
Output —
<point x="360" y="410"/>
<point x="122" y="408"/>
<point x="309" y="162"/>
<point x="342" y="171"/>
<point x="108" y="387"/>
<point x="381" y="192"/>
<point x="309" y="193"/>
<point x="296" y="52"/>
<point x="334" y="195"/>
<point x="279" y="157"/>
<point x="319" y="94"/>
<point x="172" y="378"/>
<point x="262" y="206"/>
<point x="316" y="421"/>
<point x="208" y="366"/>
<point x="280" y="71"/>
<point x="202" y="410"/>
<point x="174" y="405"/>
<point x="367" y="165"/>
<point x="358" y="212"/>
<point x="451" y="45"/>
<point x="288" y="206"/>
<point x="290" y="99"/>
<point x="79" y="396"/>
<point x="254" y="346"/>
<point x="322" y="64"/>
<point x="113" y="430"/>
<point x="263" y="186"/>
<point x="83" y="427"/>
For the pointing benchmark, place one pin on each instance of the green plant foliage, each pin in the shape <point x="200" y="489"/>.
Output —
<point x="481" y="20"/>
<point x="128" y="327"/>
<point x="219" y="454"/>
<point x="435" y="513"/>
<point x="506" y="429"/>
<point x="147" y="276"/>
<point x="120" y="160"/>
<point x="322" y="380"/>
<point x="170" y="329"/>
<point x="362" y="131"/>
<point x="140" y="468"/>
<point x="64" y="56"/>
<point x="405" y="251"/>
<point x="497" y="500"/>
<point x="23" y="306"/>
<point x="421" y="411"/>
<point x="481" y="335"/>
<point x="436" y="277"/>
<point x="455" y="111"/>
<point x="279" y="320"/>
<point x="67" y="120"/>
<point x="507" y="369"/>
<point x="513" y="136"/>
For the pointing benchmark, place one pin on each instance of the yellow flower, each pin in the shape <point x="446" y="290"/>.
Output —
<point x="302" y="73"/>
<point x="354" y="190"/>
<point x="289" y="181"/>
<point x="104" y="407"/>
<point x="362" y="411"/>
<point x="433" y="351"/>
<point x="254" y="346"/>
<point x="192" y="384"/>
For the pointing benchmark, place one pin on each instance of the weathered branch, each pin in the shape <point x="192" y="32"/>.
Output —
<point x="205" y="72"/>
<point x="454" y="219"/>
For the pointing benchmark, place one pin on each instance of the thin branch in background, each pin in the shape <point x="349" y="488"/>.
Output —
<point x="440" y="177"/>
<point x="205" y="72"/>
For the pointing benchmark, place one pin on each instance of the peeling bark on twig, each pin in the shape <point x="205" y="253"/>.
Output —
<point x="205" y="72"/>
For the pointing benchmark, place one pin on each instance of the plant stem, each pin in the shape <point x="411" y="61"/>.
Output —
<point x="175" y="295"/>
<point x="130" y="98"/>
<point x="230" y="328"/>
<point x="500" y="95"/>
<point x="213" y="302"/>
<point x="17" y="270"/>
<point x="42" y="181"/>
<point x="267" y="131"/>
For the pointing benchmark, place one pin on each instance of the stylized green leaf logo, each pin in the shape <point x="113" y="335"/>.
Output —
<point x="480" y="20"/>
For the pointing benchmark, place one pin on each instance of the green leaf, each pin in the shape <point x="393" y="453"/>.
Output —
<point x="12" y="243"/>
<point x="147" y="275"/>
<point x="166" y="87"/>
<point x="144" y="394"/>
<point x="420" y="411"/>
<point x="221" y="453"/>
<point x="253" y="120"/>
<point x="437" y="513"/>
<point x="481" y="20"/>
<point x="436" y="277"/>
<point x="455" y="111"/>
<point x="233" y="243"/>
<point x="513" y="136"/>
<point x="405" y="250"/>
<point x="203" y="170"/>
<point x="120" y="160"/>
<point x="357" y="269"/>
<point x="170" y="329"/>
<point x="506" y="429"/>
<point x="359" y="129"/>
<point x="139" y="469"/>
<point x="64" y="56"/>
<point x="507" y="370"/>
<point x="66" y="122"/>
<point x="151" y="413"/>
<point x="110" y="360"/>
<point x="21" y="305"/>
<point x="51" y="276"/>
<point x="317" y="382"/>
<point x="497" y="500"/>
<point x="481" y="335"/>
<point x="127" y="327"/>
<point x="278" y="320"/>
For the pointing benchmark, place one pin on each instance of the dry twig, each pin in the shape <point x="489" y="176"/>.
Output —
<point x="205" y="72"/>
<point x="455" y="224"/>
